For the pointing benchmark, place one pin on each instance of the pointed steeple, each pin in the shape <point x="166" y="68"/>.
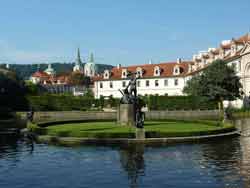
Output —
<point x="78" y="59"/>
<point x="91" y="58"/>
<point x="78" y="62"/>
<point x="38" y="67"/>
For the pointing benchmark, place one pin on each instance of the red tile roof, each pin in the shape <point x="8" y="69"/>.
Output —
<point x="40" y="74"/>
<point x="167" y="70"/>
<point x="243" y="39"/>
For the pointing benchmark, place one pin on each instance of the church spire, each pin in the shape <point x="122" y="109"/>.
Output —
<point x="91" y="58"/>
<point x="78" y="59"/>
<point x="78" y="63"/>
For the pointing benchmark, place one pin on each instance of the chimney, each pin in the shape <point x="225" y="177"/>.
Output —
<point x="178" y="60"/>
<point x="119" y="66"/>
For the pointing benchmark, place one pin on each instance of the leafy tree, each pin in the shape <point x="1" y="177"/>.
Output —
<point x="89" y="94"/>
<point x="12" y="92"/>
<point x="78" y="78"/>
<point x="32" y="89"/>
<point x="217" y="82"/>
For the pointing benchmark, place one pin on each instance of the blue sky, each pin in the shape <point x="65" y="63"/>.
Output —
<point x="116" y="31"/>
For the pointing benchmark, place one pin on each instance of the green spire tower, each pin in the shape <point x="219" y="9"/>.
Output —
<point x="78" y="59"/>
<point x="91" y="57"/>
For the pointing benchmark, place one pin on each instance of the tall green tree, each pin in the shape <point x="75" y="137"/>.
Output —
<point x="12" y="92"/>
<point x="78" y="78"/>
<point x="217" y="82"/>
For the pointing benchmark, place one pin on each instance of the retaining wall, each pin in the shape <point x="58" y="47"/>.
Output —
<point x="183" y="115"/>
<point x="63" y="116"/>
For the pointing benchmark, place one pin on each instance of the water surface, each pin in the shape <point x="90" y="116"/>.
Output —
<point x="220" y="163"/>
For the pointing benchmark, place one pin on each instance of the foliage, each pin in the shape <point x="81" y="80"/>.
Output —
<point x="78" y="78"/>
<point x="33" y="89"/>
<point x="156" y="102"/>
<point x="50" y="102"/>
<point x="217" y="82"/>
<point x="12" y="92"/>
<point x="61" y="102"/>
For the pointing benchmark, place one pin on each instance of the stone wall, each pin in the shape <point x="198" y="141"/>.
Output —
<point x="46" y="117"/>
<point x="183" y="115"/>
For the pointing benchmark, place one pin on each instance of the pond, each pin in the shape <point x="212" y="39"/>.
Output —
<point x="218" y="163"/>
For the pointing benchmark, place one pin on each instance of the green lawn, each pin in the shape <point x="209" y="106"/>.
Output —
<point x="152" y="129"/>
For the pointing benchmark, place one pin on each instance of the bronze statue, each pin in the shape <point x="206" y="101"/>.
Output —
<point x="129" y="96"/>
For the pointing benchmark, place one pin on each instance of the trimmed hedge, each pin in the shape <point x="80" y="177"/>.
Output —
<point x="68" y="103"/>
<point x="155" y="102"/>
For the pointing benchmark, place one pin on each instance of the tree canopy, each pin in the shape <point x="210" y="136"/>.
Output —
<point x="12" y="92"/>
<point x="78" y="78"/>
<point x="217" y="82"/>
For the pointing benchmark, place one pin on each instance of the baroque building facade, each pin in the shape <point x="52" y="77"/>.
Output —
<point x="170" y="78"/>
<point x="54" y="83"/>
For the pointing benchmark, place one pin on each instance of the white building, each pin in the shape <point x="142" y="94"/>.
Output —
<point x="162" y="79"/>
<point x="170" y="78"/>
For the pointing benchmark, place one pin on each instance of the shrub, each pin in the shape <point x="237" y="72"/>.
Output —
<point x="156" y="102"/>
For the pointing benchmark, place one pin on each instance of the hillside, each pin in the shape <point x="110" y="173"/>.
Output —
<point x="26" y="70"/>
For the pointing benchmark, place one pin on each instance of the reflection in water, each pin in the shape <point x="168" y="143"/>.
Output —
<point x="222" y="155"/>
<point x="244" y="126"/>
<point x="132" y="161"/>
<point x="245" y="162"/>
<point x="218" y="163"/>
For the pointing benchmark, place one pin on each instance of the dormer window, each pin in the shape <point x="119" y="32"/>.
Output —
<point x="106" y="74"/>
<point x="139" y="71"/>
<point x="233" y="49"/>
<point x="124" y="73"/>
<point x="176" y="70"/>
<point x="157" y="71"/>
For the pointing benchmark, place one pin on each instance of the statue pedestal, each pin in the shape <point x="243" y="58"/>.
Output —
<point x="126" y="115"/>
<point x="140" y="133"/>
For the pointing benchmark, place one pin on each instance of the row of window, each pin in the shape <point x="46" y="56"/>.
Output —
<point x="147" y="83"/>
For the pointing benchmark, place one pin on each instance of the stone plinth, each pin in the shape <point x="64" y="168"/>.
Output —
<point x="125" y="115"/>
<point x="140" y="133"/>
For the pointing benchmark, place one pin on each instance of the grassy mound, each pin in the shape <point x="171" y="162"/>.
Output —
<point x="153" y="129"/>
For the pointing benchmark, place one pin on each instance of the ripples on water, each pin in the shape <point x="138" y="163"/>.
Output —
<point x="221" y="163"/>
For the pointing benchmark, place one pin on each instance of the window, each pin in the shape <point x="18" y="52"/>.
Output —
<point x="156" y="83"/>
<point x="165" y="82"/>
<point x="176" y="71"/>
<point x="106" y="74"/>
<point x="139" y="71"/>
<point x="157" y="71"/>
<point x="124" y="73"/>
<point x="138" y="83"/>
<point x="147" y="83"/>
<point x="111" y="84"/>
<point x="123" y="84"/>
<point x="101" y="85"/>
<point x="176" y="82"/>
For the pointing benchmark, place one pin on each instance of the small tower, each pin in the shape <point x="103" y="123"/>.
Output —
<point x="78" y="64"/>
<point x="50" y="70"/>
<point x="90" y="67"/>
